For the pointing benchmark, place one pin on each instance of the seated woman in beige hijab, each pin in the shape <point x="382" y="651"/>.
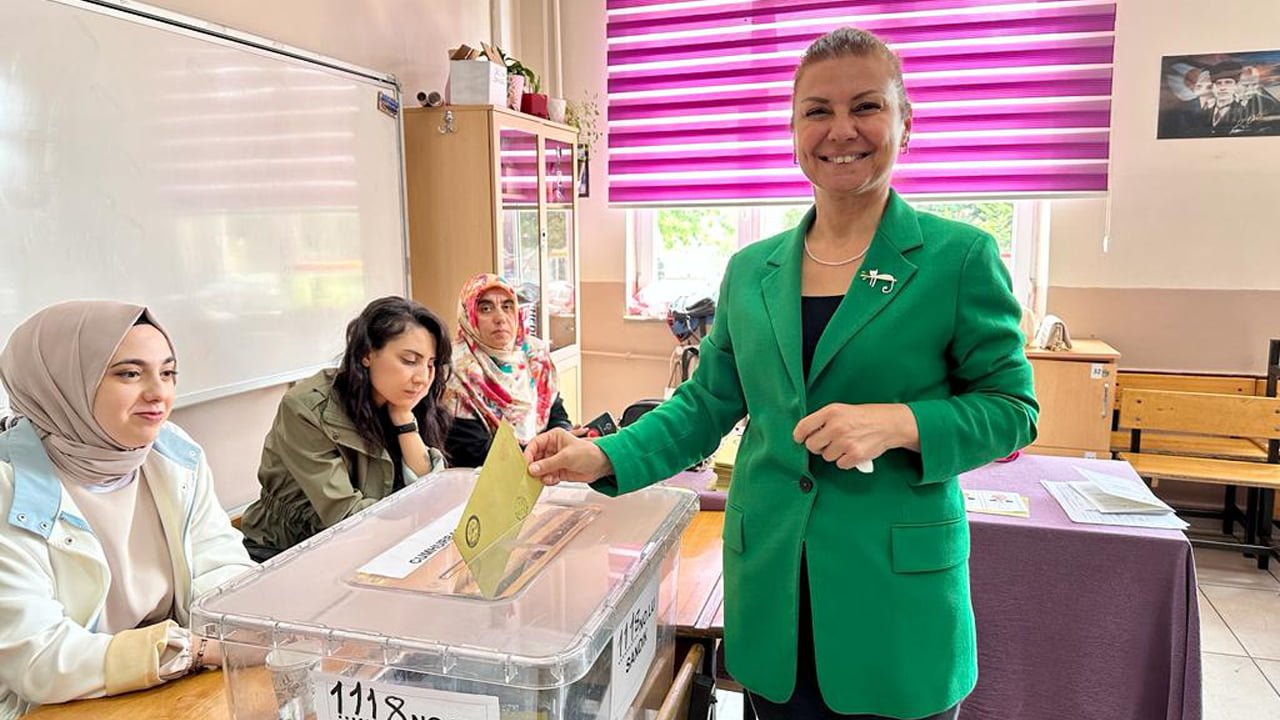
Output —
<point x="109" y="526"/>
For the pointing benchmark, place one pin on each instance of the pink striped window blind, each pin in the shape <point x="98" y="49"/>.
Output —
<point x="1011" y="99"/>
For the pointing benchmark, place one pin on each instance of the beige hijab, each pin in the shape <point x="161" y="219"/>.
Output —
<point x="51" y="368"/>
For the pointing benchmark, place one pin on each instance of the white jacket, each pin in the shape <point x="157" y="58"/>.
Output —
<point x="54" y="576"/>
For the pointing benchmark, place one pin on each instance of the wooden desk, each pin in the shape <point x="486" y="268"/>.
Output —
<point x="700" y="589"/>
<point x="198" y="697"/>
<point x="699" y="598"/>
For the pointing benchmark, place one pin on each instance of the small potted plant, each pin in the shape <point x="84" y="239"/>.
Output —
<point x="534" y="101"/>
<point x="524" y="90"/>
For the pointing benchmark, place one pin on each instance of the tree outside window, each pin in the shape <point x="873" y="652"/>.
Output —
<point x="682" y="252"/>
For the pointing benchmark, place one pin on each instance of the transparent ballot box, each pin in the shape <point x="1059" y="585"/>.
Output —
<point x="378" y="618"/>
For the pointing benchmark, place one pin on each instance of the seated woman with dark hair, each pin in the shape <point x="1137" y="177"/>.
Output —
<point x="344" y="439"/>
<point x="111" y="527"/>
<point x="500" y="373"/>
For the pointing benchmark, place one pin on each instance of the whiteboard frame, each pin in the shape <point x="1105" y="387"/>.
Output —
<point x="168" y="20"/>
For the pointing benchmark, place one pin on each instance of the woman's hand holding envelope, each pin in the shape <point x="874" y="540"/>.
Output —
<point x="557" y="456"/>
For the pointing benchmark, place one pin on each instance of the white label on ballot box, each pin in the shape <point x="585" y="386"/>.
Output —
<point x="634" y="647"/>
<point x="344" y="698"/>
<point x="409" y="554"/>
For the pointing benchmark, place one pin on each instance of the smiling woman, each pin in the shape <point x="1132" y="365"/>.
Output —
<point x="104" y="498"/>
<point x="344" y="439"/>
<point x="876" y="350"/>
<point x="136" y="394"/>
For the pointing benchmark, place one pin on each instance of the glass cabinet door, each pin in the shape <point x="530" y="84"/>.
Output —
<point x="562" y="306"/>
<point x="559" y="172"/>
<point x="519" y="252"/>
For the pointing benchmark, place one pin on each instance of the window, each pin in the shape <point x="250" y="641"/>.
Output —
<point x="682" y="252"/>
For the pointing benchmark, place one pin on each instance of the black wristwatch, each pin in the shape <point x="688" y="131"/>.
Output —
<point x="409" y="427"/>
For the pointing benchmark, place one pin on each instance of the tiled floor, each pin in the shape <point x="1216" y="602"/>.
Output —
<point x="1239" y="637"/>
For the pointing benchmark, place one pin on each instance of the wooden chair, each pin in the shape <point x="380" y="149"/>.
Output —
<point x="679" y="700"/>
<point x="1212" y="415"/>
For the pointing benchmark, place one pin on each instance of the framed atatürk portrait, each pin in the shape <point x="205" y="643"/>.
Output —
<point x="1220" y="95"/>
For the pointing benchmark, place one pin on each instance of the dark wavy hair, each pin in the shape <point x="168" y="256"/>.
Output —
<point x="380" y="322"/>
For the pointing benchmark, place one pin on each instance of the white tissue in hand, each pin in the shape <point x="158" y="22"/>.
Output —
<point x="865" y="466"/>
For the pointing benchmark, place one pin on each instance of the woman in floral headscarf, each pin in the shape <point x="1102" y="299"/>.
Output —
<point x="500" y="372"/>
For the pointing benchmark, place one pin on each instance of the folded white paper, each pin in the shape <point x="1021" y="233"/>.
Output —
<point x="1111" y="494"/>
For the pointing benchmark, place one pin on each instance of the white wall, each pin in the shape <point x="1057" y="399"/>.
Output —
<point x="1190" y="281"/>
<point x="409" y="38"/>
<point x="622" y="360"/>
<point x="1193" y="213"/>
<point x="604" y="232"/>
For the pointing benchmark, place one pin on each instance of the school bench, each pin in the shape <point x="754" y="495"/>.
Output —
<point x="1222" y="417"/>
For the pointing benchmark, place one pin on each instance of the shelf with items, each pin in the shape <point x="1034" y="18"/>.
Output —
<point x="493" y="190"/>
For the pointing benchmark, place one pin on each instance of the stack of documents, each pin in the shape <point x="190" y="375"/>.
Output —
<point x="1102" y="499"/>
<point x="997" y="502"/>
<point x="722" y="461"/>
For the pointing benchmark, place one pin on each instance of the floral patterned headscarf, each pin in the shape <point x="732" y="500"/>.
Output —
<point x="516" y="384"/>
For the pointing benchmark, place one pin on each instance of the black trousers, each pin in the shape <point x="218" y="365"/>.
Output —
<point x="806" y="702"/>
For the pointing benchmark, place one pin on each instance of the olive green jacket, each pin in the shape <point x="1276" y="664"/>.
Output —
<point x="315" y="469"/>
<point x="887" y="552"/>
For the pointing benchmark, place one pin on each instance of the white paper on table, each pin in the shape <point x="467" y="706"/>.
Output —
<point x="1079" y="511"/>
<point x="1110" y="493"/>
<point x="1105" y="502"/>
<point x="996" y="502"/>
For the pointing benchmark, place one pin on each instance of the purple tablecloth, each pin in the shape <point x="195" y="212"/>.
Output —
<point x="1079" y="621"/>
<point x="700" y="482"/>
<point x="1075" y="622"/>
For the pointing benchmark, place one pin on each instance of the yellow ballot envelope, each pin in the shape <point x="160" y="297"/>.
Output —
<point x="503" y="496"/>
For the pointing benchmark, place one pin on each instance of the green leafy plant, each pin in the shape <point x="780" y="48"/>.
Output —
<point x="515" y="67"/>
<point x="585" y="115"/>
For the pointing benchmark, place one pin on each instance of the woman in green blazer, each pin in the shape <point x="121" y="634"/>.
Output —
<point x="870" y="332"/>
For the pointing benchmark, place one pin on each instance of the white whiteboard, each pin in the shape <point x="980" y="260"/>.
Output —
<point x="251" y="194"/>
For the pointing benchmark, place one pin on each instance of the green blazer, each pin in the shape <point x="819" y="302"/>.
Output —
<point x="887" y="552"/>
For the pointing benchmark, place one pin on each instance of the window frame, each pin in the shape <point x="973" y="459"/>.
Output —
<point x="1027" y="261"/>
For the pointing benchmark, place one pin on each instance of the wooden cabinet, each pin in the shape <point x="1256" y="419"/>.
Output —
<point x="1076" y="389"/>
<point x="493" y="190"/>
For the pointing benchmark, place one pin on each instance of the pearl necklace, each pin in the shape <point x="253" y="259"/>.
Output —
<point x="837" y="263"/>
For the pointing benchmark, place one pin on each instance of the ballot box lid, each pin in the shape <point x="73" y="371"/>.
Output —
<point x="388" y="587"/>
